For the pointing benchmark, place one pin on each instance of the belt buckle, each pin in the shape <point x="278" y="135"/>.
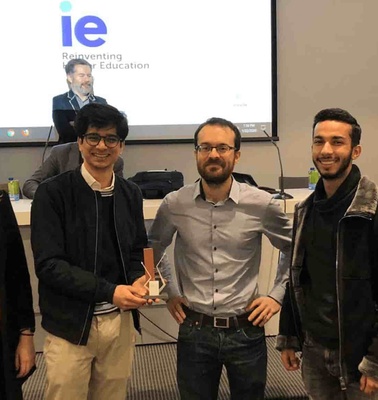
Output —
<point x="220" y="322"/>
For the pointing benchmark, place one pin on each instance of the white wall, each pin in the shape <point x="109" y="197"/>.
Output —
<point x="327" y="57"/>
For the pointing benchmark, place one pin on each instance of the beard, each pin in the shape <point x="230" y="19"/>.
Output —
<point x="81" y="89"/>
<point x="340" y="172"/>
<point x="214" y="178"/>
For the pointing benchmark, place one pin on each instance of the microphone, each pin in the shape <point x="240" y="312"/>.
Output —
<point x="46" y="144"/>
<point x="281" y="195"/>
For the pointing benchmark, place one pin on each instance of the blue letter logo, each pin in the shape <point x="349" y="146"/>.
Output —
<point x="85" y="26"/>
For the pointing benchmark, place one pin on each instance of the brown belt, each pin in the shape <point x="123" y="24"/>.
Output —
<point x="237" y="321"/>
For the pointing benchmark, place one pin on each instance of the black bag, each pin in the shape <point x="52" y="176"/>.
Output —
<point x="156" y="184"/>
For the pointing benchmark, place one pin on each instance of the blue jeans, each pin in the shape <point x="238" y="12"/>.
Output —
<point x="203" y="350"/>
<point x="320" y="372"/>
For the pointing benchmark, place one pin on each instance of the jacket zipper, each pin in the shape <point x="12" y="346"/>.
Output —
<point x="95" y="266"/>
<point x="343" y="373"/>
<point x="118" y="243"/>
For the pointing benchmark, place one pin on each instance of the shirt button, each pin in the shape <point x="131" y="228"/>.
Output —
<point x="215" y="248"/>
<point x="215" y="227"/>
<point x="216" y="290"/>
<point x="215" y="308"/>
<point x="216" y="270"/>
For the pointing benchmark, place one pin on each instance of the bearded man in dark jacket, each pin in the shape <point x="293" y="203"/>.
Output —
<point x="329" y="310"/>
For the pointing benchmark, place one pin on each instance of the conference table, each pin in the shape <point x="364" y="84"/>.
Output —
<point x="153" y="317"/>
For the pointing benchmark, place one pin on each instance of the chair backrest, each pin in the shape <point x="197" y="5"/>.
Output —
<point x="244" y="178"/>
<point x="293" y="182"/>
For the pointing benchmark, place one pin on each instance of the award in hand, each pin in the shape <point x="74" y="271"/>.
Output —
<point x="155" y="282"/>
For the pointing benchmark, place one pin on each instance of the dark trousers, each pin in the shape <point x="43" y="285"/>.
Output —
<point x="203" y="350"/>
<point x="321" y="371"/>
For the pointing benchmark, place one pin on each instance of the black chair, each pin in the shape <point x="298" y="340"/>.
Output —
<point x="244" y="178"/>
<point x="247" y="178"/>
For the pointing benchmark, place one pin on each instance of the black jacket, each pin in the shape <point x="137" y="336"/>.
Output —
<point x="66" y="232"/>
<point x="356" y="283"/>
<point x="65" y="108"/>
<point x="16" y="302"/>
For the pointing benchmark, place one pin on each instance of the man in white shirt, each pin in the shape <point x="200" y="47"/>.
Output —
<point x="219" y="224"/>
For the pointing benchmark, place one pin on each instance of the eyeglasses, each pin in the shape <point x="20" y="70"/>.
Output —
<point x="220" y="148"/>
<point x="93" y="139"/>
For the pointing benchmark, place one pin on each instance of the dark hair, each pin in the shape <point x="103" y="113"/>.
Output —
<point x="70" y="66"/>
<point x="220" y="122"/>
<point x="100" y="116"/>
<point x="338" y="114"/>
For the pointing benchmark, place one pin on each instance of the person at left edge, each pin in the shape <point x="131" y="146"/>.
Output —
<point x="17" y="354"/>
<point x="87" y="236"/>
<point x="65" y="106"/>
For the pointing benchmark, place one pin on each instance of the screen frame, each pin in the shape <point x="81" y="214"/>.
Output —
<point x="272" y="131"/>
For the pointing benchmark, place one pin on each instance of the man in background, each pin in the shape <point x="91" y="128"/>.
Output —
<point x="87" y="236"/>
<point x="219" y="224"/>
<point x="65" y="106"/>
<point x="329" y="311"/>
<point x="62" y="158"/>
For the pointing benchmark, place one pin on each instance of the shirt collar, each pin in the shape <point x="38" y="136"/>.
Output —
<point x="82" y="103"/>
<point x="234" y="192"/>
<point x="92" y="183"/>
<point x="72" y="95"/>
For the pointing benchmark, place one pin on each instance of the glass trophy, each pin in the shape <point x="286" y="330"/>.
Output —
<point x="155" y="282"/>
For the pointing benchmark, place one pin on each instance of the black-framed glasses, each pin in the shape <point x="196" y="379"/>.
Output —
<point x="220" y="148"/>
<point x="93" y="139"/>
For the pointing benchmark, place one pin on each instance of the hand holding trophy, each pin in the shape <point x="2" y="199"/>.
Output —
<point x="155" y="282"/>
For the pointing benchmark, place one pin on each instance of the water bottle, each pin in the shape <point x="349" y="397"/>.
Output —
<point x="313" y="177"/>
<point x="13" y="189"/>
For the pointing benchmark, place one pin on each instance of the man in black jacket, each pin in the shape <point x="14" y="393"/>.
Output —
<point x="66" y="105"/>
<point x="88" y="237"/>
<point x="329" y="310"/>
